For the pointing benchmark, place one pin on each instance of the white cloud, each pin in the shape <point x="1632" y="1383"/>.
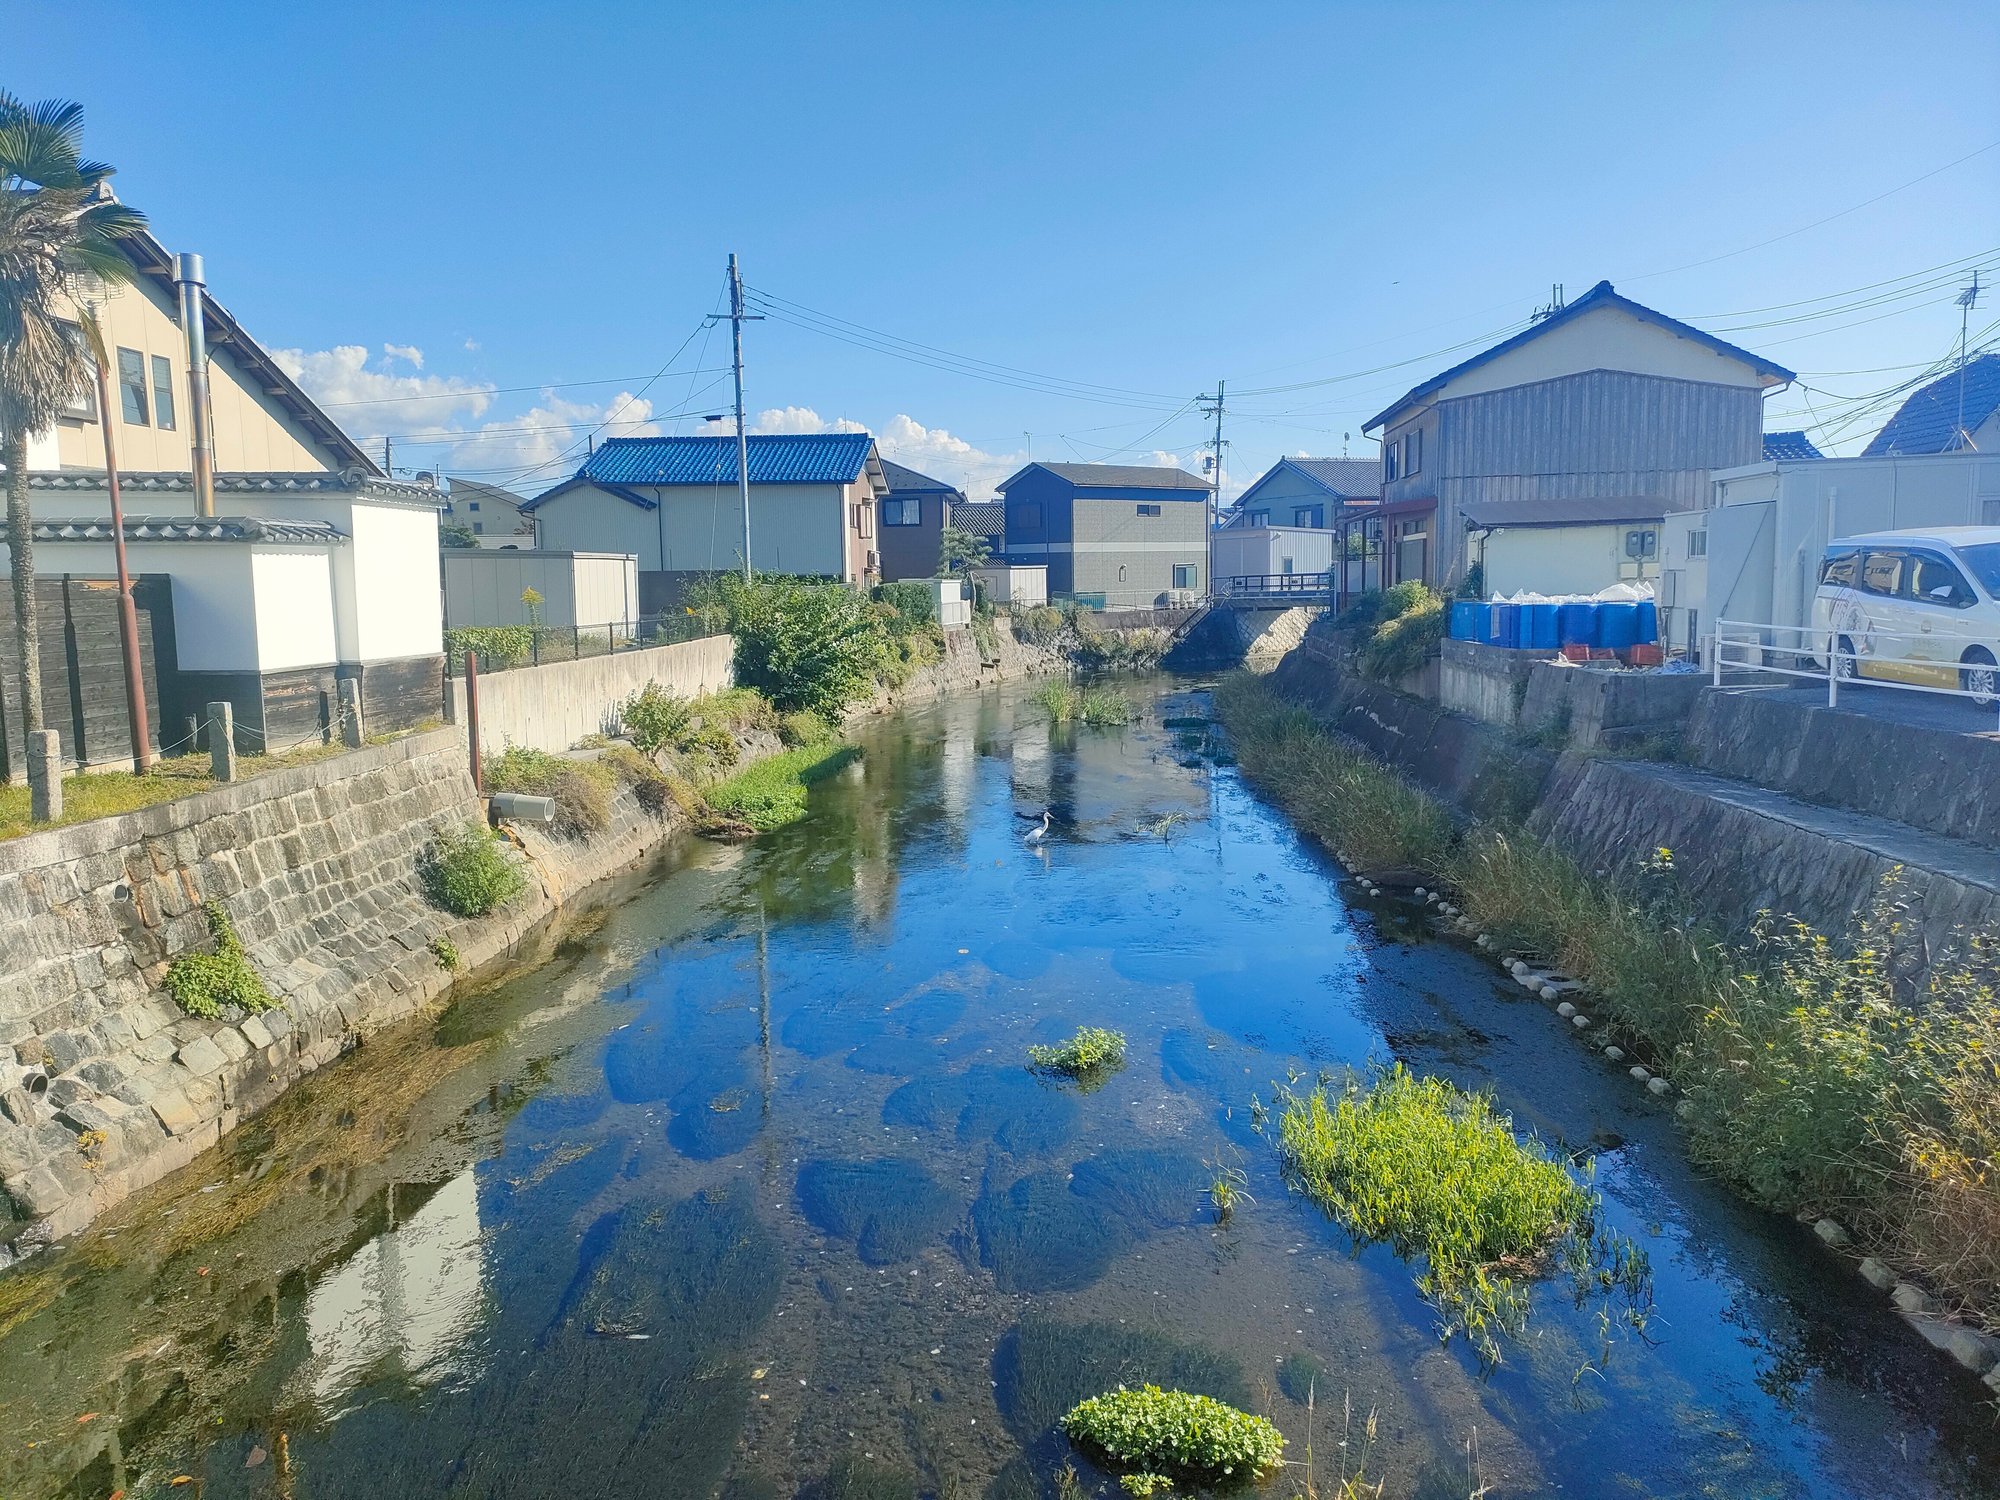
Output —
<point x="934" y="451"/>
<point x="409" y="354"/>
<point x="368" y="403"/>
<point x="549" y="439"/>
<point x="799" y="419"/>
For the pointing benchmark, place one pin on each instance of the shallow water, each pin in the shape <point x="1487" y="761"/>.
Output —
<point x="745" y="1192"/>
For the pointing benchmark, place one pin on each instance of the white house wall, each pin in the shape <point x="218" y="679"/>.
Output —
<point x="1248" y="551"/>
<point x="485" y="588"/>
<point x="1555" y="559"/>
<point x="292" y="592"/>
<point x="794" y="528"/>
<point x="215" y="621"/>
<point x="587" y="519"/>
<point x="391" y="596"/>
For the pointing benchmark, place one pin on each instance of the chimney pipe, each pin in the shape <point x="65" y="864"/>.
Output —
<point x="188" y="279"/>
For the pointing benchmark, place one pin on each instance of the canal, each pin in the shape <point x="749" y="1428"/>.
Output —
<point x="744" y="1191"/>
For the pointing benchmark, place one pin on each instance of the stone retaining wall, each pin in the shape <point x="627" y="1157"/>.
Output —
<point x="552" y="706"/>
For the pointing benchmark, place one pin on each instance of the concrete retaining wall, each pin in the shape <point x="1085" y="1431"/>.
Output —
<point x="552" y="706"/>
<point x="1576" y="704"/>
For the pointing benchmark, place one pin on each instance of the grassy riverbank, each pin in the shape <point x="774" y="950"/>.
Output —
<point x="1819" y="1077"/>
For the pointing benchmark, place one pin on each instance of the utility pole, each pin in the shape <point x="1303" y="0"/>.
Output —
<point x="388" y="454"/>
<point x="737" y="318"/>
<point x="1214" y="408"/>
<point x="1967" y="300"/>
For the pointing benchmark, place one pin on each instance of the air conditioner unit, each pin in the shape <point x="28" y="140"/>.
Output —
<point x="874" y="563"/>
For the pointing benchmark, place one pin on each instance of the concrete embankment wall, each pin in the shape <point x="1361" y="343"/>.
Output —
<point x="552" y="706"/>
<point x="1741" y="848"/>
<point x="106" y="1086"/>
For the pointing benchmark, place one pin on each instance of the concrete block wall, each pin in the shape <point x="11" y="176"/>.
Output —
<point x="552" y="706"/>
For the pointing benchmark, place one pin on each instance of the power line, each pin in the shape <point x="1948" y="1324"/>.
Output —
<point x="461" y="392"/>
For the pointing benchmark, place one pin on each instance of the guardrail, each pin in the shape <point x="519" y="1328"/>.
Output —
<point x="1814" y="653"/>
<point x="1293" y="588"/>
<point x="501" y="648"/>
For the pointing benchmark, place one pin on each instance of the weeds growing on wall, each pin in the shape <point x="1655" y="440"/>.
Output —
<point x="1820" y="1073"/>
<point x="582" y="789"/>
<point x="1439" y="1174"/>
<point x="206" y="984"/>
<point x="466" y="872"/>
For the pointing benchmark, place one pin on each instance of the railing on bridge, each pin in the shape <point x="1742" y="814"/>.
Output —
<point x="1876" y="658"/>
<point x="1276" y="588"/>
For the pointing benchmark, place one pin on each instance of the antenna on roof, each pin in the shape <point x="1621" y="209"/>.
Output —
<point x="1555" y="305"/>
<point x="1967" y="300"/>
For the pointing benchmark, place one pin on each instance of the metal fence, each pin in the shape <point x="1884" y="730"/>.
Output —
<point x="1282" y="588"/>
<point x="501" y="648"/>
<point x="1816" y="653"/>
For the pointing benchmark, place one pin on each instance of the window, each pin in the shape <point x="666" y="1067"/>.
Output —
<point x="1843" y="570"/>
<point x="1882" y="573"/>
<point x="1149" y="510"/>
<point x="864" y="520"/>
<point x="163" y="393"/>
<point x="1391" y="455"/>
<point x="1413" y="452"/>
<point x="1121" y="572"/>
<point x="902" y="512"/>
<point x="132" y="385"/>
<point x="1285" y="566"/>
<point x="1698" y="543"/>
<point x="1932" y="580"/>
<point x="1309" y="515"/>
<point x="1258" y="518"/>
<point x="1985" y="561"/>
<point x="1027" y="516"/>
<point x="479" y="528"/>
<point x="472" y="505"/>
<point x="1642" y="545"/>
<point x="1183" y="575"/>
<point x="82" y="406"/>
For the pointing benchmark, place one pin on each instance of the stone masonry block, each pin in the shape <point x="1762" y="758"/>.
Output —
<point x="231" y="1041"/>
<point x="201" y="1056"/>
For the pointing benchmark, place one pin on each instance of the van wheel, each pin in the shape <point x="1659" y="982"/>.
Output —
<point x="1845" y="667"/>
<point x="1980" y="677"/>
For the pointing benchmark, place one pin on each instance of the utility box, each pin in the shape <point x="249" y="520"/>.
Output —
<point x="954" y="610"/>
<point x="1026" y="586"/>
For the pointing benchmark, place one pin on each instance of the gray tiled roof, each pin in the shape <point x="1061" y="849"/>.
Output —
<point x="1123" y="476"/>
<point x="186" y="529"/>
<point x="902" y="478"/>
<point x="981" y="517"/>
<point x="1349" y="478"/>
<point x="310" y="482"/>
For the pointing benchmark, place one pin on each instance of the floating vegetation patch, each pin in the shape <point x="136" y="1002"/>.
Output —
<point x="1045" y="1366"/>
<point x="891" y="1209"/>
<point x="1435" y="1172"/>
<point x="1021" y="1115"/>
<point x="1038" y="1236"/>
<point x="1163" y="1437"/>
<point x="1090" y="1057"/>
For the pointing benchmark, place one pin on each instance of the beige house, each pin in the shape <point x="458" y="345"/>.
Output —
<point x="261" y="421"/>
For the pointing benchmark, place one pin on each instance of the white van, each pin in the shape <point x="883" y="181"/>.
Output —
<point x="1916" y="606"/>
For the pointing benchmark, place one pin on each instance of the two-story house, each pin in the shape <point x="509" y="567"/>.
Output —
<point x="674" y="503"/>
<point x="491" y="514"/>
<point x="1114" y="535"/>
<point x="914" y="514"/>
<point x="1550" y="459"/>
<point x="1294" y="519"/>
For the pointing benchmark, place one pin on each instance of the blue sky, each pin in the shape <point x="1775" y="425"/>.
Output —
<point x="1134" y="198"/>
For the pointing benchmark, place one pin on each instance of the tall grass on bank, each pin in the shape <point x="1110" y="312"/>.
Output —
<point x="772" y="793"/>
<point x="1337" y="793"/>
<point x="1856" y="1074"/>
<point x="1438" y="1174"/>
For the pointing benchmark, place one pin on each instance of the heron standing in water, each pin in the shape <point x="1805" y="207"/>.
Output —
<point x="1036" y="835"/>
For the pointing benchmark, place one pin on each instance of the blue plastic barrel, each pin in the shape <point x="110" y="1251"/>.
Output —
<point x="1618" y="625"/>
<point x="1541" y="626"/>
<point x="1649" y="622"/>
<point x="1576" y="624"/>
<point x="1502" y="627"/>
<point x="1467" y="619"/>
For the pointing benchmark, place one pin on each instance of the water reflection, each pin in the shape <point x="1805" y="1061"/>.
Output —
<point x="747" y="1193"/>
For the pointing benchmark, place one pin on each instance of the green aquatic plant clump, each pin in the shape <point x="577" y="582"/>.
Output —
<point x="1093" y="1050"/>
<point x="202" y="984"/>
<point x="1100" y="707"/>
<point x="1175" y="1435"/>
<point x="1431" y="1170"/>
<point x="772" y="793"/>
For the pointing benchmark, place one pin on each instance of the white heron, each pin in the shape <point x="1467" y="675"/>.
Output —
<point x="1036" y="835"/>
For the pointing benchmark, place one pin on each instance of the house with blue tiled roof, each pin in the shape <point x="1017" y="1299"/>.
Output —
<point x="1954" y="412"/>
<point x="674" y="503"/>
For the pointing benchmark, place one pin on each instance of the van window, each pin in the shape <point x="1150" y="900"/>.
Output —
<point x="1882" y="573"/>
<point x="1984" y="560"/>
<point x="1932" y="580"/>
<point x="1842" y="570"/>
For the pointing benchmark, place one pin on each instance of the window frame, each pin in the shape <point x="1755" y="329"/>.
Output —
<point x="1315" y="517"/>
<point x="1178" y="570"/>
<point x="896" y="508"/>
<point x="1145" y="509"/>
<point x="1392" y="457"/>
<point x="83" y="405"/>
<point x="132" y="392"/>
<point x="165" y="411"/>
<point x="1964" y="596"/>
<point x="1257" y="518"/>
<point x="1413" y="452"/>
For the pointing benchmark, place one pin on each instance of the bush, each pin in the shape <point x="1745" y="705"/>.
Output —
<point x="772" y="793"/>
<point x="1091" y="1050"/>
<point x="1436" y="1172"/>
<point x="803" y="644"/>
<point x="1100" y="707"/>
<point x="1407" y="632"/>
<point x="654" y="719"/>
<point x="495" y="645"/>
<point x="1121" y="650"/>
<point x="582" y="789"/>
<point x="465" y="872"/>
<point x="1176" y="1436"/>
<point x="204" y="984"/>
<point x="652" y="786"/>
<point x="914" y="604"/>
<point x="1042" y="626"/>
<point x="803" y="727"/>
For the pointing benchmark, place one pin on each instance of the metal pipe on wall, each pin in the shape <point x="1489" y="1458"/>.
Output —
<point x="188" y="280"/>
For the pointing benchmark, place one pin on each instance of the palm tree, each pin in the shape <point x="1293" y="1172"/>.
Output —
<point x="59" y="233"/>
